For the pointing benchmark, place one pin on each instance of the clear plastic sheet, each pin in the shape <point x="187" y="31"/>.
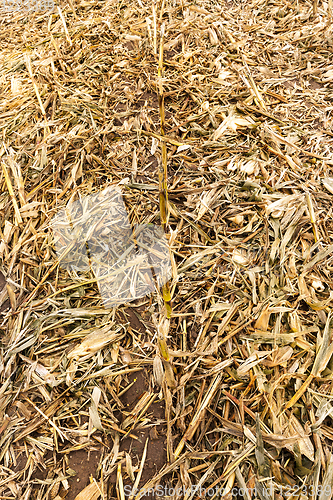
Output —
<point x="128" y="261"/>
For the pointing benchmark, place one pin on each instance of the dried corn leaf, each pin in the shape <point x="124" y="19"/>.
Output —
<point x="95" y="341"/>
<point x="90" y="492"/>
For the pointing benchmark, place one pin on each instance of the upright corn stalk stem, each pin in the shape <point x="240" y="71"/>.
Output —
<point x="162" y="169"/>
<point x="162" y="172"/>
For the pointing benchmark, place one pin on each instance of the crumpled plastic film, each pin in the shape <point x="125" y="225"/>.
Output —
<point x="95" y="233"/>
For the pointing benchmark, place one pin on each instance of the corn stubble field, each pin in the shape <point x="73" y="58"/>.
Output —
<point x="215" y="120"/>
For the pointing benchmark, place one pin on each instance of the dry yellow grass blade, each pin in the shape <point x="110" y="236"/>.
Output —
<point x="139" y="473"/>
<point x="312" y="216"/>
<point x="120" y="484"/>
<point x="12" y="195"/>
<point x="27" y="62"/>
<point x="17" y="174"/>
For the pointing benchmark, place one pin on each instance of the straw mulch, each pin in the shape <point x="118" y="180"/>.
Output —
<point x="236" y="386"/>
